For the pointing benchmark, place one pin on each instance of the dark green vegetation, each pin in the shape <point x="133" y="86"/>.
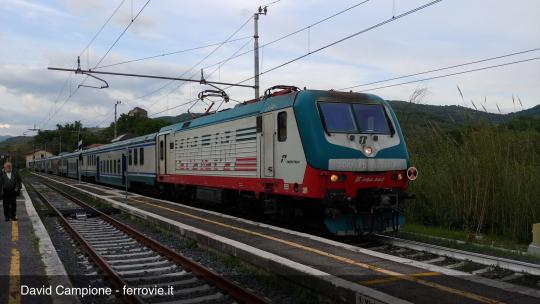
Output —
<point x="479" y="172"/>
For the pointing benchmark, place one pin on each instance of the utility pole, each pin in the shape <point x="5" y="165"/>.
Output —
<point x="115" y="106"/>
<point x="79" y="158"/>
<point x="34" y="147"/>
<point x="261" y="11"/>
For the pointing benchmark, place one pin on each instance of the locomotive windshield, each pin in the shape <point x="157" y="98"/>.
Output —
<point x="354" y="118"/>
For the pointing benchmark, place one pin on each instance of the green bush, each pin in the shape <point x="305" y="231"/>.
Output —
<point x="481" y="179"/>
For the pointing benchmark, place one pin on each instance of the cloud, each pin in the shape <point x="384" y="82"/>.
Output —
<point x="4" y="126"/>
<point x="442" y="35"/>
<point x="33" y="9"/>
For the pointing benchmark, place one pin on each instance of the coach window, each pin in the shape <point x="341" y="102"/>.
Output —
<point x="282" y="126"/>
<point x="130" y="157"/>
<point x="161" y="152"/>
<point x="141" y="156"/>
<point x="135" y="156"/>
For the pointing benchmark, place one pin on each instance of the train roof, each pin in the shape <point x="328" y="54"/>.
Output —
<point x="271" y="103"/>
<point x="127" y="142"/>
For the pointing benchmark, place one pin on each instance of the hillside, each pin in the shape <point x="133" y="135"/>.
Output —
<point x="4" y="137"/>
<point x="532" y="112"/>
<point x="413" y="115"/>
<point x="16" y="141"/>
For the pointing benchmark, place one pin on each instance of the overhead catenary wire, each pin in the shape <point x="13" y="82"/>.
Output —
<point x="102" y="27"/>
<point x="103" y="57"/>
<point x="122" y="34"/>
<point x="307" y="27"/>
<point x="395" y="18"/>
<point x="452" y="74"/>
<point x="442" y="69"/>
<point x="263" y="45"/>
<point x="195" y="65"/>
<point x="222" y="62"/>
<point x="80" y="54"/>
<point x="170" y="53"/>
<point x="194" y="100"/>
<point x="172" y="108"/>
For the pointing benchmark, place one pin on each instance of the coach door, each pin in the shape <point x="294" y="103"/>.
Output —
<point x="268" y="134"/>
<point x="162" y="153"/>
<point x="124" y="169"/>
<point x="97" y="168"/>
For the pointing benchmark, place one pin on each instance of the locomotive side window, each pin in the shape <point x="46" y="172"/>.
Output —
<point x="130" y="157"/>
<point x="282" y="126"/>
<point x="141" y="155"/>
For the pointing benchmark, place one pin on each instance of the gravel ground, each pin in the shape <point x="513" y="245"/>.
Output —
<point x="262" y="283"/>
<point x="75" y="262"/>
<point x="78" y="267"/>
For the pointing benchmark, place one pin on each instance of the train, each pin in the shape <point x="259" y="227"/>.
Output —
<point x="339" y="155"/>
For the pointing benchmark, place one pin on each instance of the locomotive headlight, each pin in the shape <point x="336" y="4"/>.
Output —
<point x="334" y="178"/>
<point x="368" y="150"/>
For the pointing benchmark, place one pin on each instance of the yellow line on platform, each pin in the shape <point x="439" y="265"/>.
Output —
<point x="14" y="277"/>
<point x="342" y="259"/>
<point x="394" y="278"/>
<point x="14" y="231"/>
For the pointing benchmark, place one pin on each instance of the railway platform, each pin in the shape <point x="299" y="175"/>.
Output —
<point x="28" y="258"/>
<point x="340" y="271"/>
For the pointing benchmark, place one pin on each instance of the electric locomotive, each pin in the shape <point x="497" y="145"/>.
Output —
<point x="339" y="153"/>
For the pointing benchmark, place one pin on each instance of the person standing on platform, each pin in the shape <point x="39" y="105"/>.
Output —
<point x="10" y="188"/>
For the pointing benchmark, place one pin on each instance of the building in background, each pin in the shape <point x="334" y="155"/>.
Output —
<point x="38" y="154"/>
<point x="4" y="156"/>
<point x="138" y="112"/>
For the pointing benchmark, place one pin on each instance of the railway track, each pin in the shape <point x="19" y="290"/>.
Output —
<point x="135" y="265"/>
<point x="492" y="267"/>
<point x="501" y="273"/>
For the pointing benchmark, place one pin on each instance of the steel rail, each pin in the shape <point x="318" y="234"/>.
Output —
<point x="233" y="289"/>
<point x="514" y="265"/>
<point x="112" y="275"/>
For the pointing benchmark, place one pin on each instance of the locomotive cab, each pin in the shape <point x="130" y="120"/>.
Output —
<point x="356" y="146"/>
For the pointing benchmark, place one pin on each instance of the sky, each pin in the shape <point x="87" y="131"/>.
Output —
<point x="35" y="35"/>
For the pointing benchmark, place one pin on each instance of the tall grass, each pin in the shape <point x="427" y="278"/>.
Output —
<point x="482" y="179"/>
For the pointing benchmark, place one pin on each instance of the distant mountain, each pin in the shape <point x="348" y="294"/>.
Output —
<point x="533" y="112"/>
<point x="4" y="137"/>
<point x="413" y="115"/>
<point x="16" y="140"/>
